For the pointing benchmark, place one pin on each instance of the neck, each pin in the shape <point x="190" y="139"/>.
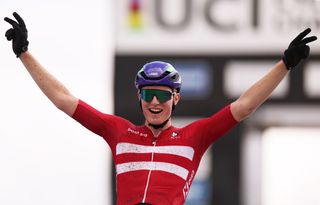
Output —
<point x="157" y="129"/>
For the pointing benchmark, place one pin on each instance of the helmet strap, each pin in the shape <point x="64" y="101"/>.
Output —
<point x="173" y="106"/>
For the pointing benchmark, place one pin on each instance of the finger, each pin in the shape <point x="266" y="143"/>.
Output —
<point x="12" y="22"/>
<point x="10" y="34"/>
<point x="306" y="52"/>
<point x="19" y="19"/>
<point x="309" y="39"/>
<point x="302" y="35"/>
<point x="303" y="51"/>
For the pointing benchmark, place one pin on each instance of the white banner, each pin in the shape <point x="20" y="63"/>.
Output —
<point x="213" y="26"/>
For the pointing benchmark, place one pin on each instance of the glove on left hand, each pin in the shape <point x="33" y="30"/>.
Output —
<point x="18" y="34"/>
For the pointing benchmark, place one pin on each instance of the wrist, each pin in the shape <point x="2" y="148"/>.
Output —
<point x="21" y="50"/>
<point x="285" y="63"/>
<point x="24" y="55"/>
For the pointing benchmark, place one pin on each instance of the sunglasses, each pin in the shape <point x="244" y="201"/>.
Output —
<point x="162" y="95"/>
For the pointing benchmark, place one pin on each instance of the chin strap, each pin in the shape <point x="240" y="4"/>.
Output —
<point x="159" y="125"/>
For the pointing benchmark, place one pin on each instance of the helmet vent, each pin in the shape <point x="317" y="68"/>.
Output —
<point x="155" y="78"/>
<point x="175" y="77"/>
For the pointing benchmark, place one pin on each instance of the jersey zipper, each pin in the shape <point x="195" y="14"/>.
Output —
<point x="149" y="174"/>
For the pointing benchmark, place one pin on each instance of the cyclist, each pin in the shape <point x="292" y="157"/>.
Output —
<point x="156" y="162"/>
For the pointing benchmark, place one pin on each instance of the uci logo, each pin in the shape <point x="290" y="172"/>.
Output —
<point x="188" y="10"/>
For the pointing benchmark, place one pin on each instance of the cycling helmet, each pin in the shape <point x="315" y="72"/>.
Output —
<point x="158" y="73"/>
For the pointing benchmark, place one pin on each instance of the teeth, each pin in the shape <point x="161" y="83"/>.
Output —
<point x="155" y="110"/>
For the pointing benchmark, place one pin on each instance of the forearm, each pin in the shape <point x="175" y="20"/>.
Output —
<point x="49" y="85"/>
<point x="259" y="92"/>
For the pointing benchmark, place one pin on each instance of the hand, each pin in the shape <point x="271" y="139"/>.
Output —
<point x="298" y="49"/>
<point x="18" y="34"/>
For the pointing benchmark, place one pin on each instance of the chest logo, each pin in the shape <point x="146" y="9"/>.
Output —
<point x="136" y="132"/>
<point x="174" y="135"/>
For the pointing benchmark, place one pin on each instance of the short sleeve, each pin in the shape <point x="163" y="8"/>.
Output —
<point x="104" y="125"/>
<point x="208" y="130"/>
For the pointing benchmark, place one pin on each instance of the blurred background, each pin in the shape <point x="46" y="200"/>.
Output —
<point x="220" y="47"/>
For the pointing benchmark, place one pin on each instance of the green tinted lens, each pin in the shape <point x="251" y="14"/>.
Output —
<point x="161" y="95"/>
<point x="146" y="95"/>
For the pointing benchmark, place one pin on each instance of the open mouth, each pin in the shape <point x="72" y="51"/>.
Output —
<point x="155" y="110"/>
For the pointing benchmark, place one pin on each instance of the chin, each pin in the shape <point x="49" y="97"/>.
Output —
<point x="156" y="122"/>
<point x="156" y="118"/>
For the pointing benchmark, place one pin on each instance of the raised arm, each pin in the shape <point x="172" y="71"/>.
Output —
<point x="50" y="86"/>
<point x="58" y="94"/>
<point x="258" y="93"/>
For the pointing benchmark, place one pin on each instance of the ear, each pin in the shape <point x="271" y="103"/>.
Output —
<point x="138" y="95"/>
<point x="176" y="98"/>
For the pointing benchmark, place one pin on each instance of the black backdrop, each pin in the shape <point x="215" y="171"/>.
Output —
<point x="226" y="151"/>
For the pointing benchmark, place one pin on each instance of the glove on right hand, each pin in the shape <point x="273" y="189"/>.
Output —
<point x="18" y="34"/>
<point x="298" y="49"/>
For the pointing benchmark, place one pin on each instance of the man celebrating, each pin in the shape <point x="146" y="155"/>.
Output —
<point x="156" y="162"/>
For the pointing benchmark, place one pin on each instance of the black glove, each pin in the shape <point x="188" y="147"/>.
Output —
<point x="18" y="34"/>
<point x="298" y="49"/>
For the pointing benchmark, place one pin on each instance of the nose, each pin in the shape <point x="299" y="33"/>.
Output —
<point x="155" y="100"/>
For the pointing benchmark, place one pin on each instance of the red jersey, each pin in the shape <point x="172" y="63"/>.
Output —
<point x="160" y="170"/>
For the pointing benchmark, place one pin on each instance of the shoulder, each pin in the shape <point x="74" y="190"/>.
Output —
<point x="221" y="119"/>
